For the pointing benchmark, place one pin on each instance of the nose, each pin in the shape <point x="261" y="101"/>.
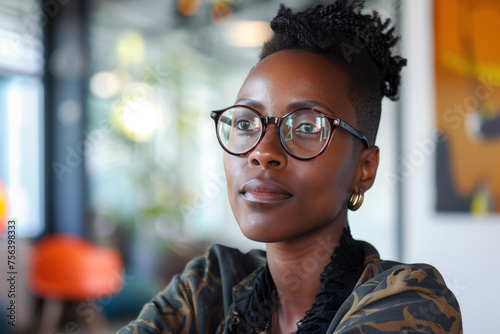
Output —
<point x="269" y="153"/>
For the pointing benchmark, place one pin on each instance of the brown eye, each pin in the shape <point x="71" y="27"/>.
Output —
<point x="308" y="128"/>
<point x="243" y="125"/>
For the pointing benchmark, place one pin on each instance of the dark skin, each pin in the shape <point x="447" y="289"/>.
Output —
<point x="298" y="208"/>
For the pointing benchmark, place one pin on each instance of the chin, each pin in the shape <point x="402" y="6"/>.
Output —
<point x="264" y="232"/>
<point x="261" y="238"/>
<point x="258" y="232"/>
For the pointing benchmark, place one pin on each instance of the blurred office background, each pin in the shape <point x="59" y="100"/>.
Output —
<point x="106" y="142"/>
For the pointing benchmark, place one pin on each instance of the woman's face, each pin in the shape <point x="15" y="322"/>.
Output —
<point x="274" y="196"/>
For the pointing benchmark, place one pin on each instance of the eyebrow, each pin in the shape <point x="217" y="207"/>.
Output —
<point x="291" y="106"/>
<point x="308" y="104"/>
<point x="251" y="103"/>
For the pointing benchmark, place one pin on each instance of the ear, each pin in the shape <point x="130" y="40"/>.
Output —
<point x="366" y="169"/>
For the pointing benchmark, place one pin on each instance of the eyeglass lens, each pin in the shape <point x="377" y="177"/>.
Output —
<point x="303" y="133"/>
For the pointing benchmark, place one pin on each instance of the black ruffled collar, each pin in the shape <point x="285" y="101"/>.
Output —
<point x="337" y="282"/>
<point x="253" y="298"/>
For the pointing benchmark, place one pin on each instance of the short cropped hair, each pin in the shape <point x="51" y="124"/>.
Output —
<point x="360" y="44"/>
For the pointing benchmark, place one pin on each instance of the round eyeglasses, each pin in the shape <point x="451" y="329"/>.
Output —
<point x="303" y="133"/>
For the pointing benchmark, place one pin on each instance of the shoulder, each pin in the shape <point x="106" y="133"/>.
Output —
<point x="217" y="272"/>
<point x="198" y="298"/>
<point x="378" y="270"/>
<point x="400" y="277"/>
<point x="393" y="296"/>
<point x="413" y="296"/>
<point x="220" y="260"/>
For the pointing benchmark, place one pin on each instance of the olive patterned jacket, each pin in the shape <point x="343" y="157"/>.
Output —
<point x="226" y="291"/>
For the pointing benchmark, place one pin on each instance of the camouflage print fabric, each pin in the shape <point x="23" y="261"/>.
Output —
<point x="226" y="291"/>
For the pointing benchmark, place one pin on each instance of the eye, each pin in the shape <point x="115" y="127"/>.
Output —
<point x="242" y="124"/>
<point x="246" y="125"/>
<point x="308" y="128"/>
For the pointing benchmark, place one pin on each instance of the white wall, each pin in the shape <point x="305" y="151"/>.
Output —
<point x="464" y="248"/>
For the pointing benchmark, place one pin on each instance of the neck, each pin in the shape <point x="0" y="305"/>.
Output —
<point x="296" y="267"/>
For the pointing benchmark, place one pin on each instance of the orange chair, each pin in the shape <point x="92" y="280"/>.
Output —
<point x="67" y="268"/>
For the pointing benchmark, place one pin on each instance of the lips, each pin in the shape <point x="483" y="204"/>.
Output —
<point x="265" y="192"/>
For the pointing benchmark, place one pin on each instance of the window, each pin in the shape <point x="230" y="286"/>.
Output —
<point x="21" y="120"/>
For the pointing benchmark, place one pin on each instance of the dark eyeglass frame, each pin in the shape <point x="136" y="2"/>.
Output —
<point x="334" y="123"/>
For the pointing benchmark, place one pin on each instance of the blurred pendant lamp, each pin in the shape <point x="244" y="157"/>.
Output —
<point x="188" y="7"/>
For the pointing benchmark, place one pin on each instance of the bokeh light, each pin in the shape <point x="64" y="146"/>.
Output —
<point x="131" y="49"/>
<point x="104" y="85"/>
<point x="247" y="33"/>
<point x="137" y="120"/>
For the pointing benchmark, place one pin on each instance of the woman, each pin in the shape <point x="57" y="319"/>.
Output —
<point x="300" y="152"/>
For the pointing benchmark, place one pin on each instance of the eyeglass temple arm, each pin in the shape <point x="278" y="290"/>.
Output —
<point x="353" y="131"/>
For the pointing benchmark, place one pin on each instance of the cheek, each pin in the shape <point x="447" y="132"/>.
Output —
<point x="228" y="170"/>
<point x="232" y="166"/>
<point x="329" y="181"/>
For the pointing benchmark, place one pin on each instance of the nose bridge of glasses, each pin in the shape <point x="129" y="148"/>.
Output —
<point x="271" y="120"/>
<point x="266" y="122"/>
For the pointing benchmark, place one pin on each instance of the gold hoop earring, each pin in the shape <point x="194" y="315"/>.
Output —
<point x="356" y="200"/>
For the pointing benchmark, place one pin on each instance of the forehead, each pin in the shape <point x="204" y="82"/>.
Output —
<point x="289" y="76"/>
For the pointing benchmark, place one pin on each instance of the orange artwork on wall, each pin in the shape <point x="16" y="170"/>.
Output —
<point x="467" y="73"/>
